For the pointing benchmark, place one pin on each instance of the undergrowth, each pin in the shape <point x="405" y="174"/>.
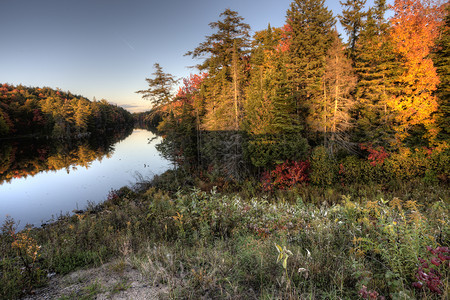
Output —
<point x="358" y="242"/>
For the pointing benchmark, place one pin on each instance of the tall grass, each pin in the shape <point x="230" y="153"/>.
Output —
<point x="353" y="243"/>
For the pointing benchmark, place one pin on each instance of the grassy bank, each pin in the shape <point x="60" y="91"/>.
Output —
<point x="357" y="242"/>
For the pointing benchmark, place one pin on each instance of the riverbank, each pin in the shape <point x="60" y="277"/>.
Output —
<point x="304" y="243"/>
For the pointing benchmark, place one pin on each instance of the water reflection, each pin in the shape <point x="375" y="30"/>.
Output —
<point x="23" y="158"/>
<point x="39" y="180"/>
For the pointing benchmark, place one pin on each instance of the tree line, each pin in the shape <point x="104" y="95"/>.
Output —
<point x="274" y="96"/>
<point x="33" y="111"/>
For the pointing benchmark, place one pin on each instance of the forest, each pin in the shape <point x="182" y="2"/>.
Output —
<point x="306" y="166"/>
<point x="300" y="95"/>
<point x="45" y="112"/>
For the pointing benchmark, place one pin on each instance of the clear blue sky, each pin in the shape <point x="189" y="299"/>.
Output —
<point x="106" y="48"/>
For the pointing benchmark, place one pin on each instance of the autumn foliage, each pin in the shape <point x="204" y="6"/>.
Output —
<point x="56" y="114"/>
<point x="191" y="85"/>
<point x="285" y="40"/>
<point x="377" y="155"/>
<point x="413" y="33"/>
<point x="286" y="175"/>
<point x="432" y="269"/>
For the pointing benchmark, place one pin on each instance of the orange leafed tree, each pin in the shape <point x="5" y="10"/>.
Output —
<point x="413" y="32"/>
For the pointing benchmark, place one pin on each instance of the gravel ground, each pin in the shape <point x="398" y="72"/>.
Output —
<point x="114" y="280"/>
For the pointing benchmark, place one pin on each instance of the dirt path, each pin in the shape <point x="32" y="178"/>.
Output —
<point x="114" y="280"/>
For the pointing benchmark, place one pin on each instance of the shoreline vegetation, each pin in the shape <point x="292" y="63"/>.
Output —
<point x="237" y="241"/>
<point x="46" y="113"/>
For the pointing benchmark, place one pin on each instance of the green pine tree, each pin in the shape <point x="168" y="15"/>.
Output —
<point x="352" y="20"/>
<point x="160" y="91"/>
<point x="270" y="111"/>
<point x="311" y="25"/>
<point x="376" y="68"/>
<point x="224" y="56"/>
<point x="262" y="87"/>
<point x="441" y="59"/>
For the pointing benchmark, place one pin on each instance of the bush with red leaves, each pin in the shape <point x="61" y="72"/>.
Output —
<point x="429" y="273"/>
<point x="286" y="175"/>
<point x="377" y="155"/>
<point x="368" y="294"/>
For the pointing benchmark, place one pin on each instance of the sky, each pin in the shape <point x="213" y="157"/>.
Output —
<point x="106" y="48"/>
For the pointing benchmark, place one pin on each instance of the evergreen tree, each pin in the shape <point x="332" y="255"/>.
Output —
<point x="160" y="88"/>
<point x="310" y="36"/>
<point x="376" y="67"/>
<point x="81" y="114"/>
<point x="262" y="88"/>
<point x="270" y="110"/>
<point x="352" y="20"/>
<point x="224" y="56"/>
<point x="179" y="145"/>
<point x="441" y="59"/>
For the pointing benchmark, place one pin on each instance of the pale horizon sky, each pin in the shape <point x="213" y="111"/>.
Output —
<point x="106" y="48"/>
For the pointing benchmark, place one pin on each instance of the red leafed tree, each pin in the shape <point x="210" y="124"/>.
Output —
<point x="190" y="94"/>
<point x="413" y="32"/>
<point x="377" y="155"/>
<point x="190" y="87"/>
<point x="285" y="40"/>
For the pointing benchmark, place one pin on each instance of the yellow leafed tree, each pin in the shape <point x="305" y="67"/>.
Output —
<point x="413" y="32"/>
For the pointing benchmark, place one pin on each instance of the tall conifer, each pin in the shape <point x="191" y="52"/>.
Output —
<point x="160" y="88"/>
<point x="441" y="59"/>
<point x="352" y="20"/>
<point x="311" y="25"/>
<point x="223" y="55"/>
<point x="258" y="104"/>
<point x="270" y="110"/>
<point x="376" y="67"/>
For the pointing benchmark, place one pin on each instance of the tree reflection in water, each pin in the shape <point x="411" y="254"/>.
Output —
<point x="23" y="158"/>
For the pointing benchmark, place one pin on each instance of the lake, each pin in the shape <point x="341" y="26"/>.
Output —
<point x="40" y="181"/>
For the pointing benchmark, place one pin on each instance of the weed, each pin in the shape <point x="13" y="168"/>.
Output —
<point x="283" y="255"/>
<point x="92" y="290"/>
<point x="118" y="266"/>
<point x="196" y="244"/>
<point x="433" y="269"/>
<point x="120" y="287"/>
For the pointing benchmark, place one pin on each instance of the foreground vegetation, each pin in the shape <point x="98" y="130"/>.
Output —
<point x="354" y="241"/>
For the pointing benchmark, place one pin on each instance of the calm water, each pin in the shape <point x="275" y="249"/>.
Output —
<point x="62" y="178"/>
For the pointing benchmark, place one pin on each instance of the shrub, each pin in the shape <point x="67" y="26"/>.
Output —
<point x="392" y="234"/>
<point x="376" y="155"/>
<point x="430" y="164"/>
<point x="19" y="267"/>
<point x="323" y="168"/>
<point x="286" y="175"/>
<point x="433" y="269"/>
<point x="268" y="150"/>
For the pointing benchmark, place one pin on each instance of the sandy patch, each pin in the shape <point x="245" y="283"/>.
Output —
<point x="114" y="280"/>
